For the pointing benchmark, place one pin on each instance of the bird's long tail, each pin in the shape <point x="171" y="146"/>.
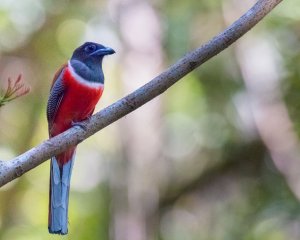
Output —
<point x="60" y="176"/>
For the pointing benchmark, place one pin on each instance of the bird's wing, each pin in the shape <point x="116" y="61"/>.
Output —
<point x="58" y="73"/>
<point x="56" y="95"/>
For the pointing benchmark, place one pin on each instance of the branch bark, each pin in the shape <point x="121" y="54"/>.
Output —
<point x="16" y="167"/>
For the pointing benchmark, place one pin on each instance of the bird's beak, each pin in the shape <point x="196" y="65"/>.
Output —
<point x="103" y="51"/>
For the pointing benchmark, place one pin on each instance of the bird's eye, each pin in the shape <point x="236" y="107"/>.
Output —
<point x="90" y="48"/>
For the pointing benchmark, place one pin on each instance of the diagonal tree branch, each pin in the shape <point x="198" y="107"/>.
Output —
<point x="16" y="167"/>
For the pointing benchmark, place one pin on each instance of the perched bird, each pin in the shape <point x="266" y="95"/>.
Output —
<point x="76" y="89"/>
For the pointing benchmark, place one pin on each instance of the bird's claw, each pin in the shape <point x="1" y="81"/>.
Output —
<point x="79" y="124"/>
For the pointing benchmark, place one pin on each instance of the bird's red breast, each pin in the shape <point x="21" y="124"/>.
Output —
<point x="77" y="104"/>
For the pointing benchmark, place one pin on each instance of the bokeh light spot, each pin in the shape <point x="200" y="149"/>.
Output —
<point x="69" y="34"/>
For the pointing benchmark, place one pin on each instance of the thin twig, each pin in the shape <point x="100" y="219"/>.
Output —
<point x="13" y="91"/>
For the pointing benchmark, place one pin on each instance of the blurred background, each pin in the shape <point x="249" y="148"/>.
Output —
<point x="215" y="157"/>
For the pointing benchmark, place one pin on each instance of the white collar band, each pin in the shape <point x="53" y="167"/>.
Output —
<point x="82" y="80"/>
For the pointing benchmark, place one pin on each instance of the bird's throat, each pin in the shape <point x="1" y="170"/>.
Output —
<point x="85" y="76"/>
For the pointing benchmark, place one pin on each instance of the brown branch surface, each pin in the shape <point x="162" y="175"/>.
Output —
<point x="16" y="167"/>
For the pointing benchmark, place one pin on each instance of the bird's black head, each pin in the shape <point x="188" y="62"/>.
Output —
<point x="91" y="52"/>
<point x="87" y="60"/>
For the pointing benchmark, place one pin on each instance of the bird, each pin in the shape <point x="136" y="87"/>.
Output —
<point x="76" y="88"/>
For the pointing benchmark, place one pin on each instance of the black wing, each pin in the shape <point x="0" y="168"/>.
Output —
<point x="56" y="95"/>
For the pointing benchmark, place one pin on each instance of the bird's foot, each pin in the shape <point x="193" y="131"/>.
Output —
<point x="79" y="124"/>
